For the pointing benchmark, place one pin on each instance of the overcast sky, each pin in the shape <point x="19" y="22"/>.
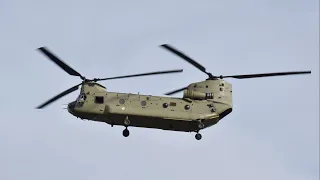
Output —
<point x="272" y="133"/>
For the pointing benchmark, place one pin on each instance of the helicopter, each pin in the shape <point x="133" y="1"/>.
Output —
<point x="203" y="104"/>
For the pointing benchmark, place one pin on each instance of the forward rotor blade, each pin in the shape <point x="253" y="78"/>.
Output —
<point x="59" y="62"/>
<point x="68" y="91"/>
<point x="246" y="76"/>
<point x="144" y="74"/>
<point x="176" y="91"/>
<point x="185" y="57"/>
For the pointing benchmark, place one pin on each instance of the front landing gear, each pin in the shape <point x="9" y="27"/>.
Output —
<point x="198" y="136"/>
<point x="126" y="132"/>
<point x="126" y="123"/>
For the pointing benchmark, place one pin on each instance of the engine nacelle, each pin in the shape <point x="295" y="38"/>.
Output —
<point x="197" y="95"/>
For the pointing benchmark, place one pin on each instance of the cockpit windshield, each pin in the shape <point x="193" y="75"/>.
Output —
<point x="82" y="97"/>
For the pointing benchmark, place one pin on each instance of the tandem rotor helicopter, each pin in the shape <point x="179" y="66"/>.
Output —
<point x="203" y="104"/>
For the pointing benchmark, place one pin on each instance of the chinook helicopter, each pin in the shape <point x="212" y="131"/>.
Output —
<point x="203" y="104"/>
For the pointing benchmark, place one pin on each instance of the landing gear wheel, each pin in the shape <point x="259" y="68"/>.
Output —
<point x="198" y="136"/>
<point x="126" y="133"/>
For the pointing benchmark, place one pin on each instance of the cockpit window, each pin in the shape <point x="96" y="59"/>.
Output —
<point x="82" y="97"/>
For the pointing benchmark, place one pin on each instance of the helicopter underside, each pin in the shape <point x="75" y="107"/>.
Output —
<point x="182" y="125"/>
<point x="160" y="123"/>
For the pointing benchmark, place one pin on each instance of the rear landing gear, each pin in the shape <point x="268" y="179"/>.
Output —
<point x="200" y="125"/>
<point x="126" y="132"/>
<point x="198" y="136"/>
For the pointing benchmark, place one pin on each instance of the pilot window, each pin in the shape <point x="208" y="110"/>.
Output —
<point x="98" y="99"/>
<point x="81" y="97"/>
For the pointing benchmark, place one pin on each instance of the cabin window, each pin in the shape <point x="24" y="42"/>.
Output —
<point x="165" y="105"/>
<point x="99" y="100"/>
<point x="121" y="101"/>
<point x="173" y="104"/>
<point x="143" y="103"/>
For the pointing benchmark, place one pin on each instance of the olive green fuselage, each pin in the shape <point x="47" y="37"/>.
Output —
<point x="207" y="101"/>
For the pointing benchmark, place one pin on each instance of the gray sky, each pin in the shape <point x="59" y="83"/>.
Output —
<point x="273" y="132"/>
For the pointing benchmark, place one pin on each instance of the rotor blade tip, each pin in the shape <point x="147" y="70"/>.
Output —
<point x="42" y="49"/>
<point x="164" y="45"/>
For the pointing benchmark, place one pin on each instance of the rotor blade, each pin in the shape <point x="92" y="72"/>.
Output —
<point x="267" y="74"/>
<point x="70" y="90"/>
<point x="185" y="57"/>
<point x="176" y="91"/>
<point x="59" y="62"/>
<point x="144" y="74"/>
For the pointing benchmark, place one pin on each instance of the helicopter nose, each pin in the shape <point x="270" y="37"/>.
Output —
<point x="71" y="106"/>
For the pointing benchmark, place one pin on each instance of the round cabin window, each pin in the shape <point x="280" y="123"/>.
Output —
<point x="143" y="103"/>
<point x="165" y="105"/>
<point x="186" y="107"/>
<point x="121" y="101"/>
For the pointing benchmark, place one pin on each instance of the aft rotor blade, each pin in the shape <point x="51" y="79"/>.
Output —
<point x="144" y="74"/>
<point x="185" y="57"/>
<point x="59" y="62"/>
<point x="246" y="76"/>
<point x="176" y="91"/>
<point x="68" y="91"/>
